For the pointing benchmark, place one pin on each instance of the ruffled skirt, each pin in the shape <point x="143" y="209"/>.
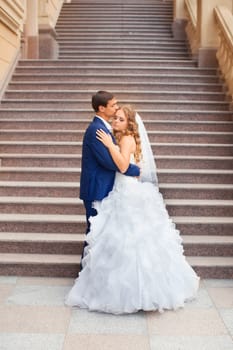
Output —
<point x="134" y="259"/>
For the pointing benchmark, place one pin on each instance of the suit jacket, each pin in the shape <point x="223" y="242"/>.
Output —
<point x="98" y="169"/>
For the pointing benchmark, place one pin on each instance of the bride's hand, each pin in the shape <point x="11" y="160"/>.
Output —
<point x="105" y="138"/>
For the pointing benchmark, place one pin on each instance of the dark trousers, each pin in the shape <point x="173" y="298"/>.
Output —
<point x="90" y="211"/>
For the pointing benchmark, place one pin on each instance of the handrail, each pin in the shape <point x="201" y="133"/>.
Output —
<point x="191" y="7"/>
<point x="224" y="21"/>
<point x="191" y="28"/>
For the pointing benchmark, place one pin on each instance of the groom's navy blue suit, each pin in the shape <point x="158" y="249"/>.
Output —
<point x="98" y="168"/>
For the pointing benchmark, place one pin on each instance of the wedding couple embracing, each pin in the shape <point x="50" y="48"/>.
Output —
<point x="133" y="255"/>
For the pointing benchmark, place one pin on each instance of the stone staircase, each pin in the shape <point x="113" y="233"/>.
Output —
<point x="127" y="48"/>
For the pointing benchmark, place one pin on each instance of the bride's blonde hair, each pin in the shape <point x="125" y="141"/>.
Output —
<point x="132" y="129"/>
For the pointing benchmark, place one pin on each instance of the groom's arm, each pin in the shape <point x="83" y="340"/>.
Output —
<point x="104" y="158"/>
<point x="133" y="170"/>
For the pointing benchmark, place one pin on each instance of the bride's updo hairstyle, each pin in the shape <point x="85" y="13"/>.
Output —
<point x="132" y="129"/>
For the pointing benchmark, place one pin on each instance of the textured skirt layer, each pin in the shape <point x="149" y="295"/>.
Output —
<point x="134" y="259"/>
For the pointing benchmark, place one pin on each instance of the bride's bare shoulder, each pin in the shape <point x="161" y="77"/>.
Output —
<point x="127" y="141"/>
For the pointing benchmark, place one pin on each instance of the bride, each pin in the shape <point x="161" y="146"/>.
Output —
<point x="134" y="258"/>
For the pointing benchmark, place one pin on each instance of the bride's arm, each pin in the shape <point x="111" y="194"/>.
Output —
<point x="120" y="157"/>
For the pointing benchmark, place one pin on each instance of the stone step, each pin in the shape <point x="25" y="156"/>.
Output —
<point x="195" y="162"/>
<point x="66" y="45"/>
<point x="77" y="114"/>
<point x="134" y="20"/>
<point x="81" y="124"/>
<point x="42" y="223"/>
<point x="133" y="6"/>
<point x="201" y="225"/>
<point x="122" y="42"/>
<point x="204" y="225"/>
<point x="208" y="245"/>
<point x="53" y="265"/>
<point x="113" y="69"/>
<point x="194" y="176"/>
<point x="137" y="35"/>
<point x="111" y="11"/>
<point x="115" y="16"/>
<point x="89" y="62"/>
<point x="199" y="207"/>
<point x="131" y="25"/>
<point x="74" y="206"/>
<point x="56" y="265"/>
<point x="157" y="11"/>
<point x="51" y="147"/>
<point x="69" y="160"/>
<point x="64" y="243"/>
<point x="153" y="95"/>
<point x="42" y="243"/>
<point x="103" y="54"/>
<point x="73" y="175"/>
<point x="118" y="18"/>
<point x="117" y="87"/>
<point x="71" y="189"/>
<point x="129" y="4"/>
<point x="116" y="78"/>
<point x="212" y="267"/>
<point x="117" y="30"/>
<point x="138" y="104"/>
<point x="122" y="49"/>
<point x="158" y="136"/>
<point x="196" y="191"/>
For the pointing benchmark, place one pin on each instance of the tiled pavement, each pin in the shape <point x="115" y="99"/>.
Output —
<point x="33" y="317"/>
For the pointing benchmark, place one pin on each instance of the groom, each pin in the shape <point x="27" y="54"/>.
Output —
<point x="98" y="169"/>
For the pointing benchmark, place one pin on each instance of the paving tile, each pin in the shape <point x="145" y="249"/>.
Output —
<point x="77" y="341"/>
<point x="227" y="316"/>
<point x="222" y="297"/>
<point x="224" y="342"/>
<point x="34" y="319"/>
<point x="217" y="282"/>
<point x="186" y="322"/>
<point x="202" y="300"/>
<point x="107" y="342"/>
<point x="38" y="295"/>
<point x="24" y="341"/>
<point x="83" y="322"/>
<point x="8" y="279"/>
<point x="47" y="281"/>
<point x="5" y="292"/>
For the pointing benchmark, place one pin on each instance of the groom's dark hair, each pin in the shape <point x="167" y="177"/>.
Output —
<point x="101" y="98"/>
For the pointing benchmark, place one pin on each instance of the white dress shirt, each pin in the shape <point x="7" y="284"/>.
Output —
<point x="108" y="126"/>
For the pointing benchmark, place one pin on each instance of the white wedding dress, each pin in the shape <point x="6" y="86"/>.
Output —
<point x="134" y="259"/>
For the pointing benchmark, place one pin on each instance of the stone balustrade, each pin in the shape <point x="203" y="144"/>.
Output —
<point x="224" y="20"/>
<point x="191" y="28"/>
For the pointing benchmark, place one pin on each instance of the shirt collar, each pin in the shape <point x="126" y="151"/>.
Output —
<point x="108" y="126"/>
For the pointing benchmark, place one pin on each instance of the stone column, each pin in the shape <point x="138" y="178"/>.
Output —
<point x="207" y="31"/>
<point x="179" y="20"/>
<point x="48" y="44"/>
<point x="31" y="30"/>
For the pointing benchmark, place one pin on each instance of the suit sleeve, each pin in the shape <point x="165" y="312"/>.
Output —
<point x="102" y="155"/>
<point x="104" y="158"/>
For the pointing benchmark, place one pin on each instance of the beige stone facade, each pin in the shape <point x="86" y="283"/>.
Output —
<point x="19" y="32"/>
<point x="12" y="17"/>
